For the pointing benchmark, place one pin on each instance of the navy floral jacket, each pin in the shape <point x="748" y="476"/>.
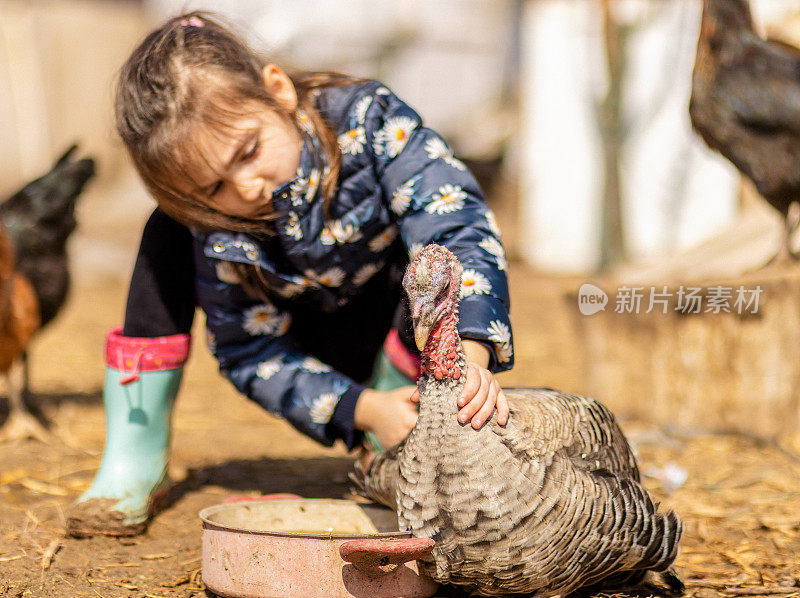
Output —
<point x="399" y="183"/>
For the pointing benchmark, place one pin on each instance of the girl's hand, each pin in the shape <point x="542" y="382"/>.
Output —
<point x="480" y="396"/>
<point x="481" y="393"/>
<point x="390" y="415"/>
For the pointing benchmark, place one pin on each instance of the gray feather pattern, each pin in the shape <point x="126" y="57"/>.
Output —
<point x="544" y="505"/>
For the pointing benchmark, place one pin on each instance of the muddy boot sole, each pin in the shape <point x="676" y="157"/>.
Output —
<point x="97" y="517"/>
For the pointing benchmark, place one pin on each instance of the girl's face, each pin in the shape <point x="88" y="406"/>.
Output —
<point x="243" y="168"/>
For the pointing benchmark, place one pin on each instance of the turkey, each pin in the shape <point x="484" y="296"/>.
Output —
<point x="544" y="505"/>
<point x="745" y="104"/>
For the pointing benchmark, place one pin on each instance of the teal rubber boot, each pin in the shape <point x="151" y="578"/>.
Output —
<point x="141" y="384"/>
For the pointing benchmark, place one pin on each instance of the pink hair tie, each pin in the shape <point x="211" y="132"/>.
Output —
<point x="192" y="22"/>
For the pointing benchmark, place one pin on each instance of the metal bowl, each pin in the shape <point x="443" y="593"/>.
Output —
<point x="310" y="548"/>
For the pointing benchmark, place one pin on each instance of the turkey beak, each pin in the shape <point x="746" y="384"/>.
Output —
<point x="421" y="335"/>
<point x="422" y="321"/>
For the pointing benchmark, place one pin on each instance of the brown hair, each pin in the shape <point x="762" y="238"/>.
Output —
<point x="194" y="69"/>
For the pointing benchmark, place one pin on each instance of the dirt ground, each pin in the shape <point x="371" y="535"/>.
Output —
<point x="740" y="501"/>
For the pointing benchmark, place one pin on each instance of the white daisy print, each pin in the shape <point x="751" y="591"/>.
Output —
<point x="313" y="183"/>
<point x="501" y="336"/>
<point x="504" y="352"/>
<point x="382" y="91"/>
<point x="304" y="122"/>
<point x="315" y="366"/>
<point x="226" y="272"/>
<point x="437" y="148"/>
<point x="402" y="197"/>
<point x="327" y="236"/>
<point x="383" y="240"/>
<point x="474" y="283"/>
<point x="364" y="273"/>
<point x="392" y="138"/>
<point x="332" y="277"/>
<point x="293" y="227"/>
<point x="297" y="191"/>
<point x="292" y="289"/>
<point x="362" y="107"/>
<point x="338" y="232"/>
<point x="353" y="141"/>
<point x="492" y="222"/>
<point x="322" y="407"/>
<point x="449" y="199"/>
<point x="282" y="323"/>
<point x="498" y="332"/>
<point x="261" y="319"/>
<point x="493" y="246"/>
<point x="248" y="248"/>
<point x="267" y="369"/>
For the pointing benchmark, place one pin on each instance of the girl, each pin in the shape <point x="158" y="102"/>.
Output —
<point x="288" y="208"/>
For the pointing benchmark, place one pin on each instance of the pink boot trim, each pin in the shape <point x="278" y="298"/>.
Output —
<point x="131" y="355"/>
<point x="401" y="358"/>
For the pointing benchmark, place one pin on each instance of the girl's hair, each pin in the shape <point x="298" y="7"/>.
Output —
<point x="195" y="70"/>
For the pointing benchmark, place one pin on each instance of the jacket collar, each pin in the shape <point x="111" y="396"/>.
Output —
<point x="298" y="195"/>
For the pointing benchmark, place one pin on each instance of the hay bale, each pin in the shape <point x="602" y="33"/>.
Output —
<point x="737" y="369"/>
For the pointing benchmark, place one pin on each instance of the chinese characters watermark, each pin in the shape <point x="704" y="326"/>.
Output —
<point x="684" y="299"/>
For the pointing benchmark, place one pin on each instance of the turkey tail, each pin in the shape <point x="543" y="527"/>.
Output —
<point x="658" y="534"/>
<point x="672" y="537"/>
<point x="667" y="532"/>
<point x="670" y="579"/>
<point x="661" y="583"/>
<point x="378" y="480"/>
<point x="642" y="540"/>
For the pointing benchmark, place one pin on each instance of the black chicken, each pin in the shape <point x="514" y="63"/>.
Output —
<point x="39" y="219"/>
<point x="745" y="103"/>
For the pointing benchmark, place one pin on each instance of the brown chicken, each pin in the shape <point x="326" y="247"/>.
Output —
<point x="19" y="319"/>
<point x="745" y="103"/>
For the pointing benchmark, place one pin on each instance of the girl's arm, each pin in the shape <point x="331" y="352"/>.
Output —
<point x="257" y="353"/>
<point x="433" y="198"/>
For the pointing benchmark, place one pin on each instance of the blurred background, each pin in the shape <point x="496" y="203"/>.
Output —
<point x="573" y="114"/>
<point x="526" y="90"/>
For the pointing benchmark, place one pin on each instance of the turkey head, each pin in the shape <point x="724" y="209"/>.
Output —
<point x="433" y="284"/>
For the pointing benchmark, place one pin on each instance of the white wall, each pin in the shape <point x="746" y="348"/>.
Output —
<point x="676" y="192"/>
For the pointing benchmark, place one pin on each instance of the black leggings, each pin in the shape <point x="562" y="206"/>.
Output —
<point x="162" y="302"/>
<point x="161" y="298"/>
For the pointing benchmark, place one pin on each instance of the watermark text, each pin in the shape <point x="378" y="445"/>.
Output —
<point x="685" y="299"/>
